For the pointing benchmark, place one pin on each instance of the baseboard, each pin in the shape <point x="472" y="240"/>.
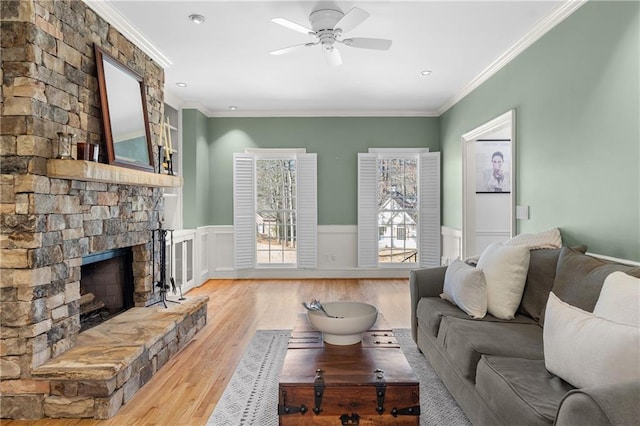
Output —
<point x="271" y="273"/>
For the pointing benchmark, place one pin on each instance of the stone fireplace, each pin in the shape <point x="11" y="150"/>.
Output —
<point x="56" y="214"/>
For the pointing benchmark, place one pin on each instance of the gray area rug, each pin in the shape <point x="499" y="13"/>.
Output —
<point x="251" y="397"/>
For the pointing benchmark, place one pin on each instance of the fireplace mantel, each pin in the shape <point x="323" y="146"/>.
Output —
<point x="99" y="172"/>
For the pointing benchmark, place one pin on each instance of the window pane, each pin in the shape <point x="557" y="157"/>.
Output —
<point x="397" y="210"/>
<point x="275" y="214"/>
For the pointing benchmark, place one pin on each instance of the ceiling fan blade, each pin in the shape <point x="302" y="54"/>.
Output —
<point x="292" y="25"/>
<point x="291" y="48"/>
<point x="332" y="56"/>
<point x="352" y="19"/>
<point x="368" y="43"/>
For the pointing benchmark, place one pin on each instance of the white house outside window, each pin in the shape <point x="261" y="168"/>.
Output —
<point x="401" y="233"/>
<point x="275" y="213"/>
<point x="398" y="208"/>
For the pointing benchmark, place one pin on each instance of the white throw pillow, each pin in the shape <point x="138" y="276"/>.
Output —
<point x="465" y="287"/>
<point x="619" y="299"/>
<point x="585" y="350"/>
<point x="505" y="270"/>
<point x="548" y="239"/>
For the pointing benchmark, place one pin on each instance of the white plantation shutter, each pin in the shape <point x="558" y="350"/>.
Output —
<point x="429" y="226"/>
<point x="307" y="211"/>
<point x="244" y="212"/>
<point x="367" y="210"/>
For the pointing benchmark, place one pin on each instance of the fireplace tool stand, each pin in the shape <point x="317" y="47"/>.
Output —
<point x="162" y="284"/>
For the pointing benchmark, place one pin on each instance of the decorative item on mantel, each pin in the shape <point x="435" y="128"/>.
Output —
<point x="165" y="149"/>
<point x="63" y="149"/>
<point x="88" y="151"/>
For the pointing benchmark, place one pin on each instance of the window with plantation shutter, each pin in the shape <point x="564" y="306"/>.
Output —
<point x="398" y="208"/>
<point x="243" y="211"/>
<point x="275" y="209"/>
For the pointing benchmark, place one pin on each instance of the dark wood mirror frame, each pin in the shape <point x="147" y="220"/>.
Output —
<point x="123" y="89"/>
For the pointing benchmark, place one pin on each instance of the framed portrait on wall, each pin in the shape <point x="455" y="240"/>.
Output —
<point x="493" y="166"/>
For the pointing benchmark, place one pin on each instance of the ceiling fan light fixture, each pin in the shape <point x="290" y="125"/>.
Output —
<point x="328" y="26"/>
<point x="197" y="19"/>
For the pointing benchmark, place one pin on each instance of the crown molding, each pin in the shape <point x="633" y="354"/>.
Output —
<point x="539" y="29"/>
<point x="197" y="106"/>
<point x="114" y="18"/>
<point x="309" y="113"/>
<point x="172" y="99"/>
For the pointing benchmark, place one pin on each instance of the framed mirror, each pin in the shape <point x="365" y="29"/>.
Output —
<point x="124" y="113"/>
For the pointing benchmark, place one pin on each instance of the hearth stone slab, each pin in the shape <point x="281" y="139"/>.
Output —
<point x="90" y="362"/>
<point x="113" y="360"/>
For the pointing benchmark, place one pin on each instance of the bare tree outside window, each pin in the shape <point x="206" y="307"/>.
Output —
<point x="398" y="210"/>
<point x="276" y="211"/>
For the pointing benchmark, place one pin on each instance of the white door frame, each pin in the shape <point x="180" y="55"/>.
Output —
<point x="506" y="120"/>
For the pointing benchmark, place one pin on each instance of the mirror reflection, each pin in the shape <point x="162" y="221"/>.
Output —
<point x="124" y="113"/>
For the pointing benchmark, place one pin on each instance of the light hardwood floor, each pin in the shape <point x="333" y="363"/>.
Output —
<point x="186" y="390"/>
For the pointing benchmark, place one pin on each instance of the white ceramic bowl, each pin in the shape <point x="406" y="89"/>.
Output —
<point x="357" y="318"/>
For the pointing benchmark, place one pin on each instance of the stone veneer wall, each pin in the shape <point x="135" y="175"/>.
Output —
<point x="49" y="84"/>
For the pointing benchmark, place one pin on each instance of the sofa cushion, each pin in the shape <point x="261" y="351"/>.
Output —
<point x="542" y="272"/>
<point x="505" y="270"/>
<point x="520" y="390"/>
<point x="609" y="352"/>
<point x="431" y="310"/>
<point x="549" y="239"/>
<point x="618" y="291"/>
<point x="465" y="287"/>
<point x="466" y="341"/>
<point x="579" y="277"/>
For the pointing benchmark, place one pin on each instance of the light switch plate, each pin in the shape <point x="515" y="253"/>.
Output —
<point x="522" y="212"/>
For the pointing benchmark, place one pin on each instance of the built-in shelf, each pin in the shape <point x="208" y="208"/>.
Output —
<point x="99" y="172"/>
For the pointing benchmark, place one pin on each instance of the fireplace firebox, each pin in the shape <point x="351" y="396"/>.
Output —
<point x="106" y="286"/>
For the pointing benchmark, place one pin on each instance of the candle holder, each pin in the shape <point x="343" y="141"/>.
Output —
<point x="169" y="160"/>
<point x="64" y="147"/>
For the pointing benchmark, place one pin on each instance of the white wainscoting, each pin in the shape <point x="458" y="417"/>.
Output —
<point x="615" y="259"/>
<point x="202" y="255"/>
<point x="451" y="244"/>
<point x="337" y="257"/>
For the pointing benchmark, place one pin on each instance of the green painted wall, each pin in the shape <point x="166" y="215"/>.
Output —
<point x="576" y="92"/>
<point x="195" y="169"/>
<point x="336" y="141"/>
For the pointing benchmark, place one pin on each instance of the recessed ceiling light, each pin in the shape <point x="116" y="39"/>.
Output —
<point x="181" y="84"/>
<point x="425" y="73"/>
<point x="197" y="19"/>
<point x="233" y="107"/>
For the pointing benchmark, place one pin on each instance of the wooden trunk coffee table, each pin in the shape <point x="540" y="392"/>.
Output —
<point x="369" y="383"/>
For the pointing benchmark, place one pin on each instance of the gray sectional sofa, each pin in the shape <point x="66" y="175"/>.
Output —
<point x="495" y="368"/>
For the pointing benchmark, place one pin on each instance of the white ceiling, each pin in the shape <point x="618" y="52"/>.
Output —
<point x="225" y="61"/>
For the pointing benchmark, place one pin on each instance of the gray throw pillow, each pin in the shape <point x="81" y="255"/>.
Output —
<point x="542" y="272"/>
<point x="579" y="278"/>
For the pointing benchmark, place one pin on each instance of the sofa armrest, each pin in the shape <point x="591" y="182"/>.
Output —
<point x="601" y="405"/>
<point x="424" y="283"/>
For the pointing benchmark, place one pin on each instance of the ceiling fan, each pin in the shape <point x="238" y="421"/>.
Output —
<point x="328" y="27"/>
